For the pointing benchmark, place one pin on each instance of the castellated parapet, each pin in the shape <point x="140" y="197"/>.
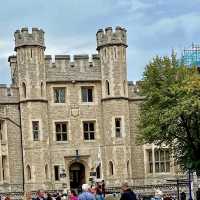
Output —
<point x="25" y="38"/>
<point x="8" y="94"/>
<point x="108" y="37"/>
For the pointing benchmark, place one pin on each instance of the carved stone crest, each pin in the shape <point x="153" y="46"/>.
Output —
<point x="74" y="110"/>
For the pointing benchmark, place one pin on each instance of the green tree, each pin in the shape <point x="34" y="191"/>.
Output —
<point x="170" y="112"/>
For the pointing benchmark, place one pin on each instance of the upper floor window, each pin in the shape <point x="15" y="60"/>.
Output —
<point x="59" y="95"/>
<point x="61" y="131"/>
<point x="118" y="124"/>
<point x="24" y="89"/>
<point x="87" y="94"/>
<point x="89" y="130"/>
<point x="41" y="89"/>
<point x="1" y="130"/>
<point x="36" y="131"/>
<point x="161" y="161"/>
<point x="107" y="87"/>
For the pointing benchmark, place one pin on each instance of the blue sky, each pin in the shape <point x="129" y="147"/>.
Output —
<point x="154" y="27"/>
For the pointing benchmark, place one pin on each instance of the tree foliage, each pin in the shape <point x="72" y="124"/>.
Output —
<point x="170" y="113"/>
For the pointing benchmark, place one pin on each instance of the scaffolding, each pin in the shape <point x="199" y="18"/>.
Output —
<point x="191" y="56"/>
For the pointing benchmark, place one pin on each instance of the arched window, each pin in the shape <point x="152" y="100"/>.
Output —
<point x="128" y="169"/>
<point x="107" y="87"/>
<point x="28" y="172"/>
<point x="98" y="171"/>
<point x="46" y="172"/>
<point x="124" y="87"/>
<point x="42" y="89"/>
<point x="24" y="89"/>
<point x="111" y="170"/>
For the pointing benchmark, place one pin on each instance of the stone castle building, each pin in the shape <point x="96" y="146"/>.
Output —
<point x="63" y="120"/>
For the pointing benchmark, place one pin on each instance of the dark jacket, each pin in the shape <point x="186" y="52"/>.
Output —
<point x="128" y="195"/>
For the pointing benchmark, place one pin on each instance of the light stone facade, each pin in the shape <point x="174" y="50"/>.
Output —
<point x="30" y="163"/>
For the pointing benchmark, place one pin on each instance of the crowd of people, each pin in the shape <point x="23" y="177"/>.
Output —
<point x="95" y="192"/>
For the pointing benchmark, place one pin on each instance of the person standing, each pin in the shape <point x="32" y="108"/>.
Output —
<point x="86" y="195"/>
<point x="127" y="194"/>
<point x="40" y="195"/>
<point x="73" y="195"/>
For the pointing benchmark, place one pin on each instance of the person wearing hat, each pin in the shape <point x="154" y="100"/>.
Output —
<point x="127" y="194"/>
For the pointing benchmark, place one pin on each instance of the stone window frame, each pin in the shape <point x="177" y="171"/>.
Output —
<point x="40" y="129"/>
<point x="107" y="85"/>
<point x="150" y="149"/>
<point x="46" y="171"/>
<point x="94" y="94"/>
<point x="68" y="130"/>
<point x="52" y="87"/>
<point x="89" y="131"/>
<point x="123" y="134"/>
<point x="29" y="174"/>
<point x="62" y="133"/>
<point x="56" y="165"/>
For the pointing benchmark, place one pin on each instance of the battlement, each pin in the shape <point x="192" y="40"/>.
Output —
<point x="110" y="37"/>
<point x="8" y="94"/>
<point x="25" y="38"/>
<point x="77" y="67"/>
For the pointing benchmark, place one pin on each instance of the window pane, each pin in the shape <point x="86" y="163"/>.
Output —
<point x="58" y="137"/>
<point x="167" y="166"/>
<point x="64" y="137"/>
<point x="35" y="136"/>
<point x="118" y="132"/>
<point x="84" y="94"/>
<point x="64" y="128"/>
<point x="157" y="167"/>
<point x="118" y="122"/>
<point x="157" y="155"/>
<point x="92" y="136"/>
<point x="91" y="125"/>
<point x="162" y="165"/>
<point x="86" y="137"/>
<point x="162" y="155"/>
<point x="85" y="127"/>
<point x="167" y="157"/>
<point x="58" y="128"/>
<point x="90" y="97"/>
<point x="150" y="156"/>
<point x="151" y="168"/>
<point x="56" y="96"/>
<point x="35" y="125"/>
<point x="62" y="95"/>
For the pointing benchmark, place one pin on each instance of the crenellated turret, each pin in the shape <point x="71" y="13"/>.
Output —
<point x="108" y="37"/>
<point x="24" y="38"/>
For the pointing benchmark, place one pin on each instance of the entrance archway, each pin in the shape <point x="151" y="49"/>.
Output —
<point x="77" y="175"/>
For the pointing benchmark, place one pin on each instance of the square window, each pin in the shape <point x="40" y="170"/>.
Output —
<point x="87" y="94"/>
<point x="89" y="130"/>
<point x="59" y="95"/>
<point x="61" y="131"/>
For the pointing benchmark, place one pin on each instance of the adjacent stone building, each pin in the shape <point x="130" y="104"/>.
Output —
<point x="64" y="118"/>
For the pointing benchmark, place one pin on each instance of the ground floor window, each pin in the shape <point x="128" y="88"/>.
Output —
<point x="158" y="160"/>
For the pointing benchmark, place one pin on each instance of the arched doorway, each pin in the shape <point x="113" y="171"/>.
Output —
<point x="77" y="175"/>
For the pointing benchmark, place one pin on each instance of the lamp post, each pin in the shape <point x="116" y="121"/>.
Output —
<point x="189" y="166"/>
<point x="77" y="156"/>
